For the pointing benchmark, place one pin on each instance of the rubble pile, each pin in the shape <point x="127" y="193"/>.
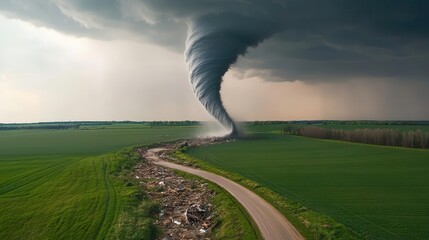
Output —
<point x="185" y="209"/>
<point x="193" y="142"/>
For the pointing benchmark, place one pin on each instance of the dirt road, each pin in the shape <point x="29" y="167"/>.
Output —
<point x="272" y="224"/>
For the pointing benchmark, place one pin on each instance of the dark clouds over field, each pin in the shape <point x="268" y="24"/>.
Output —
<point x="354" y="59"/>
<point x="314" y="40"/>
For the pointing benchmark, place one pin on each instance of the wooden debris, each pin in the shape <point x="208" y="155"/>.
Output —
<point x="186" y="212"/>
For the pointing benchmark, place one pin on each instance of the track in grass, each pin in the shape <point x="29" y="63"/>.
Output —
<point x="110" y="203"/>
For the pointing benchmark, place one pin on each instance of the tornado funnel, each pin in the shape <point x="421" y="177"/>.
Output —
<point x="213" y="44"/>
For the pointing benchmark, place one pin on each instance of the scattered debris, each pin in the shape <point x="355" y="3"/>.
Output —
<point x="186" y="212"/>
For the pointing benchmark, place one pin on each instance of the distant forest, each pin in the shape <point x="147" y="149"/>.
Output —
<point x="340" y="122"/>
<point x="86" y="124"/>
<point x="378" y="136"/>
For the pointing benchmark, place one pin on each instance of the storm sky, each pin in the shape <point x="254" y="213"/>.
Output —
<point x="124" y="60"/>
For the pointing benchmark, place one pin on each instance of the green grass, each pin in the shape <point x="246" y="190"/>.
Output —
<point x="135" y="213"/>
<point x="70" y="198"/>
<point x="379" y="192"/>
<point x="272" y="128"/>
<point x="63" y="184"/>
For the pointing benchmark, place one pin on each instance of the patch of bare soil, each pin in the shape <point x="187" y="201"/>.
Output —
<point x="185" y="209"/>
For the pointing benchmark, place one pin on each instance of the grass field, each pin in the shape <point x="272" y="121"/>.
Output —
<point x="380" y="192"/>
<point x="58" y="184"/>
<point x="78" y="142"/>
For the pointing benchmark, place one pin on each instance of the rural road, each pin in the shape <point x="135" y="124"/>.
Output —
<point x="271" y="223"/>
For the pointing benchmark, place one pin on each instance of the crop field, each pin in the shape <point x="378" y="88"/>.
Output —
<point x="57" y="184"/>
<point x="379" y="192"/>
<point x="48" y="142"/>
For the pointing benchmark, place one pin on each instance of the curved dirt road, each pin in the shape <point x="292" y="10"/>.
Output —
<point x="271" y="223"/>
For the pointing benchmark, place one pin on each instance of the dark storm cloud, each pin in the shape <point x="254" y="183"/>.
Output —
<point x="100" y="19"/>
<point x="41" y="13"/>
<point x="334" y="40"/>
<point x="314" y="40"/>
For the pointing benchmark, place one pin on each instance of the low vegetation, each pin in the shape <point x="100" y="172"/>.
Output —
<point x="135" y="218"/>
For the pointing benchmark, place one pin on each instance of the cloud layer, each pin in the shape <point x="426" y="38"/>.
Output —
<point x="367" y="55"/>
<point x="315" y="40"/>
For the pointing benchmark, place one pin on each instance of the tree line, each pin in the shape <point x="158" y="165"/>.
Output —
<point x="386" y="137"/>
<point x="374" y="122"/>
<point x="84" y="124"/>
<point x="30" y="127"/>
<point x="174" y="123"/>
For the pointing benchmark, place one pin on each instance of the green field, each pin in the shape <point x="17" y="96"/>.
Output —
<point x="58" y="184"/>
<point x="380" y="192"/>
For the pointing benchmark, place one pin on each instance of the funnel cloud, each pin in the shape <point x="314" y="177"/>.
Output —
<point x="214" y="43"/>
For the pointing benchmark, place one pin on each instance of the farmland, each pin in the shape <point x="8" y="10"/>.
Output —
<point x="62" y="183"/>
<point x="379" y="192"/>
<point x="59" y="184"/>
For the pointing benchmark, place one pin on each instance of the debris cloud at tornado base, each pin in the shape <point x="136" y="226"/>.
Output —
<point x="213" y="44"/>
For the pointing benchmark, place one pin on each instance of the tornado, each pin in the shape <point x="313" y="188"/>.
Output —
<point x="213" y="44"/>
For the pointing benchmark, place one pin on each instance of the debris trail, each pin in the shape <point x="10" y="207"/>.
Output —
<point x="185" y="209"/>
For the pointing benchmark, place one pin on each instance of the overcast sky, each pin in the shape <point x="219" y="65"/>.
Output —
<point x="66" y="60"/>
